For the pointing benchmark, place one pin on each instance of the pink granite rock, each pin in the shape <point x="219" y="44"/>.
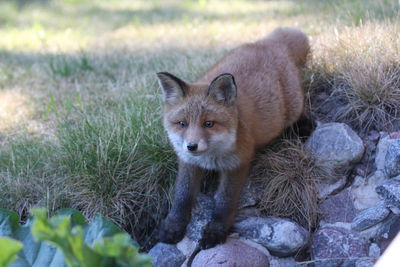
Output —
<point x="335" y="246"/>
<point x="232" y="253"/>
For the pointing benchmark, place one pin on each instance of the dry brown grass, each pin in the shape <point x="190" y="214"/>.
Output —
<point x="287" y="176"/>
<point x="356" y="77"/>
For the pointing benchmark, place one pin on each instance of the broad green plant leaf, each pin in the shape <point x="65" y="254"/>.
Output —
<point x="67" y="239"/>
<point x="9" y="249"/>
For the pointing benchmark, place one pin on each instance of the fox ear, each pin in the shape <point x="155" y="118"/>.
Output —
<point x="174" y="88"/>
<point x="223" y="89"/>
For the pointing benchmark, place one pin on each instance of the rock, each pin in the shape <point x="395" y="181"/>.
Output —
<point x="246" y="212"/>
<point x="366" y="165"/>
<point x="338" y="208"/>
<point x="387" y="139"/>
<point x="363" y="190"/>
<point x="345" y="225"/>
<point x="374" y="251"/>
<point x="187" y="246"/>
<point x="335" y="246"/>
<point x="370" y="217"/>
<point x="232" y="253"/>
<point x="392" y="159"/>
<point x="283" y="262"/>
<point x="389" y="191"/>
<point x="373" y="255"/>
<point x="336" y="145"/>
<point x="327" y="189"/>
<point x="249" y="196"/>
<point x="253" y="244"/>
<point x="395" y="210"/>
<point x="166" y="255"/>
<point x="360" y="170"/>
<point x="201" y="216"/>
<point x="383" y="232"/>
<point x="281" y="237"/>
<point x="389" y="229"/>
<point x="364" y="263"/>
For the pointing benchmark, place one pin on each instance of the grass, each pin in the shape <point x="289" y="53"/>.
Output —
<point x="359" y="70"/>
<point x="287" y="176"/>
<point x="119" y="164"/>
<point x="80" y="109"/>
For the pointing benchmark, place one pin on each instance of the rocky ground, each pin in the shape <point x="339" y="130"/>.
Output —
<point x="360" y="212"/>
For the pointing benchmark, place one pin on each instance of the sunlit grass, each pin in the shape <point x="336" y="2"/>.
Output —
<point x="362" y="67"/>
<point x="14" y="109"/>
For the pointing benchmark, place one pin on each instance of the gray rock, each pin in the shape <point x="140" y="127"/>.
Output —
<point x="232" y="253"/>
<point x="387" y="139"/>
<point x="389" y="191"/>
<point x="383" y="230"/>
<point x="392" y="159"/>
<point x="187" y="246"/>
<point x="363" y="190"/>
<point x="283" y="262"/>
<point x="166" y="255"/>
<point x="395" y="210"/>
<point x="364" y="263"/>
<point x="327" y="189"/>
<point x="336" y="145"/>
<point x="201" y="216"/>
<point x="249" y="196"/>
<point x="366" y="166"/>
<point x="389" y="229"/>
<point x="374" y="251"/>
<point x="338" y="208"/>
<point x="335" y="246"/>
<point x="281" y="237"/>
<point x="370" y="217"/>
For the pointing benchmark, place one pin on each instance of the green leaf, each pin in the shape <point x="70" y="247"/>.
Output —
<point x="8" y="222"/>
<point x="76" y="218"/>
<point x="67" y="239"/>
<point x="120" y="247"/>
<point x="9" y="249"/>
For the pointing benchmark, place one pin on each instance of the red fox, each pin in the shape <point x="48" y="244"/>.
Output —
<point x="216" y="123"/>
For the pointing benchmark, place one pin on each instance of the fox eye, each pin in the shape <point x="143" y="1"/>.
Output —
<point x="182" y="124"/>
<point x="209" y="124"/>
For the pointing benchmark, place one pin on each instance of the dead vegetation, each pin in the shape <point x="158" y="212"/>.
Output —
<point x="355" y="77"/>
<point x="287" y="176"/>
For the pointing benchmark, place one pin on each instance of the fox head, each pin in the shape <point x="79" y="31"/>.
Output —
<point x="201" y="119"/>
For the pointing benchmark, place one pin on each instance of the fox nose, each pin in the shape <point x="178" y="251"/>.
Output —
<point x="192" y="147"/>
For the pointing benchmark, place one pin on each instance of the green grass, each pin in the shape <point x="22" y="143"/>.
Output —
<point x="80" y="109"/>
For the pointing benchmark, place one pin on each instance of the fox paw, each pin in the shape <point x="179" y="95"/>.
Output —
<point x="213" y="235"/>
<point x="171" y="232"/>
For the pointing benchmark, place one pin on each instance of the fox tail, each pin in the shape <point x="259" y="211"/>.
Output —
<point x="296" y="41"/>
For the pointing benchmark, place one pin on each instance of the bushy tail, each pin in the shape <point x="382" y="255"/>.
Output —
<point x="296" y="41"/>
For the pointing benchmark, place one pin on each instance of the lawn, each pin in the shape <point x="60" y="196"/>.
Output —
<point x="80" y="107"/>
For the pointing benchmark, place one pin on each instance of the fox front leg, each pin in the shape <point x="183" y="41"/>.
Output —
<point x="226" y="201"/>
<point x="187" y="185"/>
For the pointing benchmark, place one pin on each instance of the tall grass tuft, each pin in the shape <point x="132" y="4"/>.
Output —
<point x="355" y="77"/>
<point x="119" y="163"/>
<point x="287" y="176"/>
